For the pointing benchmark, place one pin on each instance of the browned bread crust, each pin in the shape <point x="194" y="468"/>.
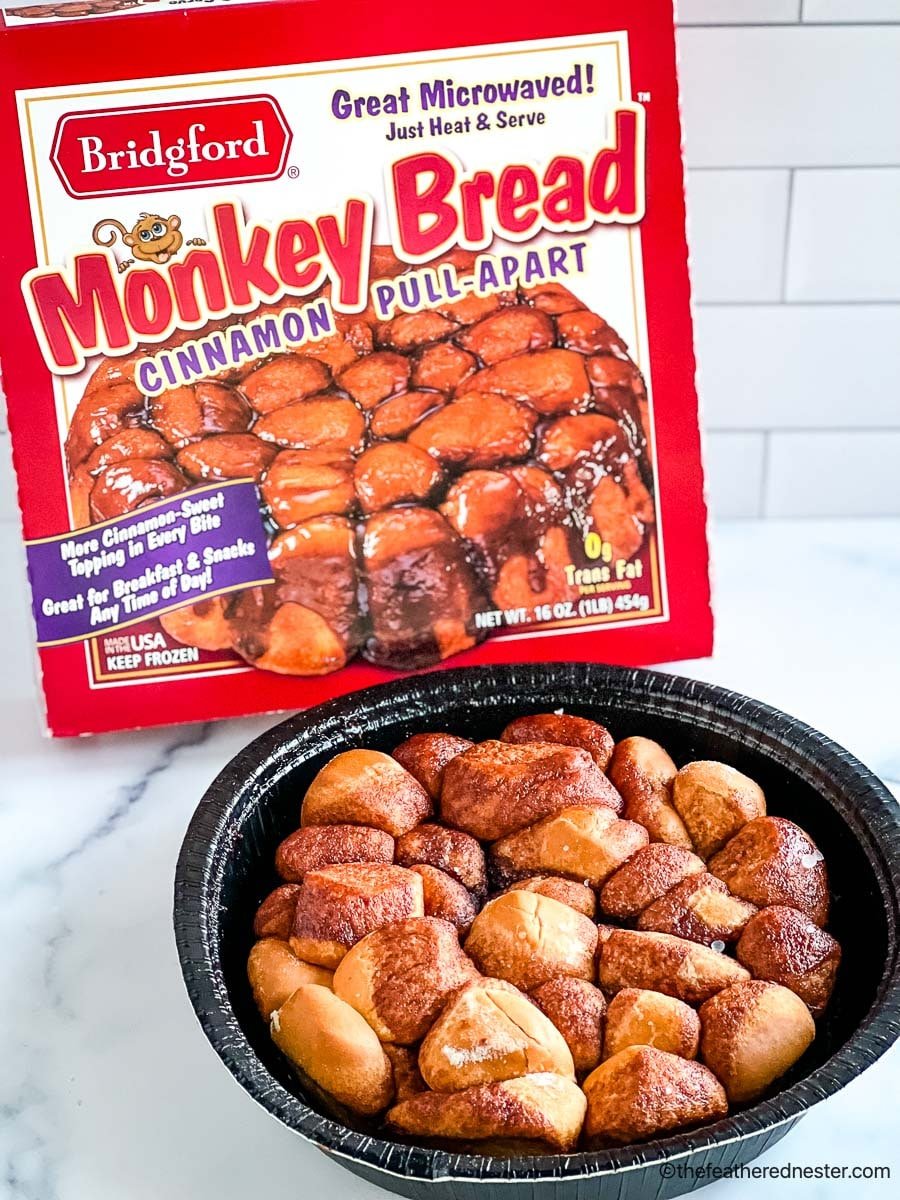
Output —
<point x="546" y="1109"/>
<point x="400" y="976"/>
<point x="699" y="908"/>
<point x="784" y="946"/>
<point x="643" y="772"/>
<point x="715" y="801"/>
<point x="408" y="1079"/>
<point x="448" y="849"/>
<point x="660" y="962"/>
<point x="578" y="1010"/>
<point x="425" y="755"/>
<point x="337" y="906"/>
<point x="646" y="877"/>
<point x="446" y="898"/>
<point x="587" y="844"/>
<point x="331" y="1043"/>
<point x="577" y="895"/>
<point x="638" y="1017"/>
<point x="275" y="972"/>
<point x="527" y="938"/>
<point x="641" y="1093"/>
<point x="365" y="787"/>
<point x="495" y="788"/>
<point x="275" y="916"/>
<point x="773" y="861"/>
<point x="318" y="846"/>
<point x="753" y="1032"/>
<point x="563" y="729"/>
<point x="489" y="1031"/>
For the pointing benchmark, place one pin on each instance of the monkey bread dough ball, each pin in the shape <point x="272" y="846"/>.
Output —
<point x="587" y="844"/>
<point x="547" y="1110"/>
<point x="527" y="938"/>
<point x="332" y="1044"/>
<point x="753" y="1032"/>
<point x="715" y="801"/>
<point x="660" y="962"/>
<point x="487" y="1032"/>
<point x="275" y="972"/>
<point x="773" y="861"/>
<point x="646" y="877"/>
<point x="399" y="976"/>
<point x="638" y="1017"/>
<point x="567" y="891"/>
<point x="338" y="906"/>
<point x="565" y="730"/>
<point x="494" y="789"/>
<point x="365" y="787"/>
<point x="578" y="1010"/>
<point x="425" y="755"/>
<point x="642" y="1093"/>
<point x="785" y="946"/>
<point x="448" y="849"/>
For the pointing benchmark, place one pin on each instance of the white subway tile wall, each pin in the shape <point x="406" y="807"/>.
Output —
<point x="793" y="148"/>
<point x="845" y="235"/>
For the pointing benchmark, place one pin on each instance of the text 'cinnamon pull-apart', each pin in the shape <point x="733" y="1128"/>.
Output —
<point x="430" y="958"/>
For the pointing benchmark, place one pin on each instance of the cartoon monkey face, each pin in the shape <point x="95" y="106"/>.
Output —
<point x="154" y="238"/>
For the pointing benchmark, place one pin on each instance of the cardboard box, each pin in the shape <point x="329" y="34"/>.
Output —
<point x="343" y="340"/>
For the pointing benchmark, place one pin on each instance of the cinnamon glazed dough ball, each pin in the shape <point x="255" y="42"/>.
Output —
<point x="659" y="962"/>
<point x="425" y="755"/>
<point x="699" y="908"/>
<point x="275" y="916"/>
<point x="445" y="898"/>
<point x="638" y="1017"/>
<point x="784" y="946"/>
<point x="715" y="801"/>
<point x="448" y="849"/>
<point x="773" y="861"/>
<point x="646" y="877"/>
<point x="318" y="846"/>
<point x="275" y="972"/>
<point x="365" y="787"/>
<point x="331" y="1043"/>
<point x="495" y="788"/>
<point x="337" y="906"/>
<point x="526" y="939"/>
<point x="546" y="1110"/>
<point x="753" y="1032"/>
<point x="642" y="1092"/>
<point x="490" y="1031"/>
<point x="578" y="1010"/>
<point x="399" y="976"/>
<point x="565" y="730"/>
<point x="588" y="844"/>
<point x="643" y="772"/>
<point x="577" y="895"/>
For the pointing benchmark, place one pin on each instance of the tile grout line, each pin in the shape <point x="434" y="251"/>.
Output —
<point x="786" y="241"/>
<point x="848" y="303"/>
<point x="764" y="476"/>
<point x="803" y="167"/>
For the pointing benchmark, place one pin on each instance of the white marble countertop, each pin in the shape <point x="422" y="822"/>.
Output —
<point x="108" y="1089"/>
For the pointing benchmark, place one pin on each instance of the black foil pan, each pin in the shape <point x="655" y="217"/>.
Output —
<point x="226" y="868"/>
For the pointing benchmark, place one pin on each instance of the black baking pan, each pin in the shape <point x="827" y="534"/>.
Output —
<point x="226" y="868"/>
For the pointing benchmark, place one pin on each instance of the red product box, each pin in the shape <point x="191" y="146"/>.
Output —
<point x="344" y="341"/>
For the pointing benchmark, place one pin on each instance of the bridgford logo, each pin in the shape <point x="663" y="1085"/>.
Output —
<point x="165" y="147"/>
